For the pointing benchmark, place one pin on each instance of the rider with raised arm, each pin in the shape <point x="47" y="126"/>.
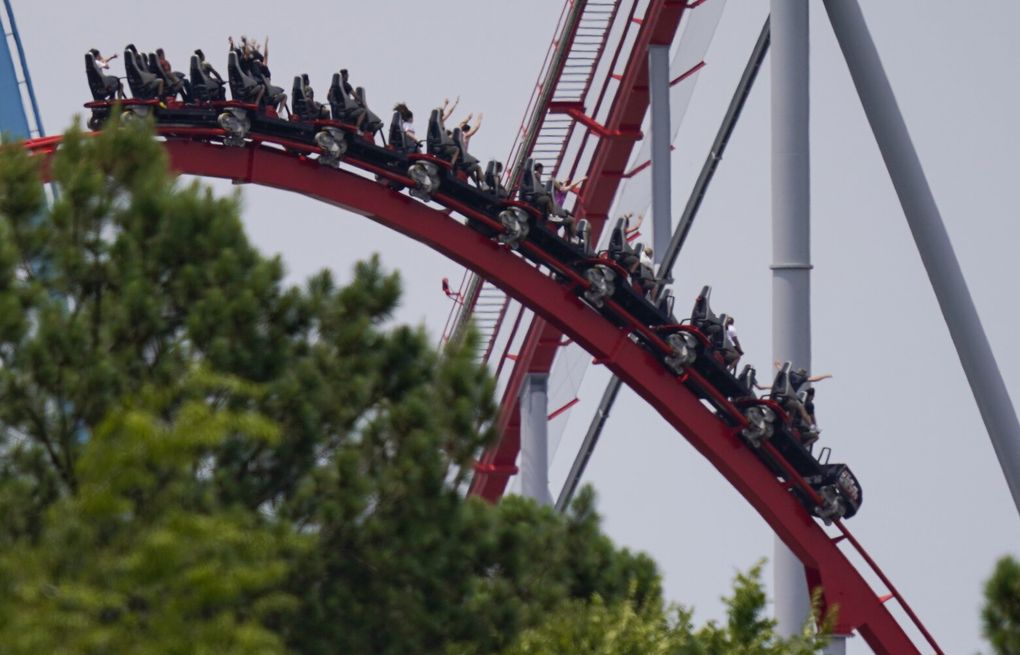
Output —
<point x="111" y="84"/>
<point x="551" y="208"/>
<point x="447" y="109"/>
<point x="797" y="399"/>
<point x="467" y="130"/>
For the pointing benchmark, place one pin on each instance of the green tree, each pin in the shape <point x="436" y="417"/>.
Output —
<point x="142" y="558"/>
<point x="1000" y="615"/>
<point x="196" y="458"/>
<point x="633" y="627"/>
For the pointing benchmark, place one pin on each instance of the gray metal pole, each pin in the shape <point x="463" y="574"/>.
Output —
<point x="591" y="439"/>
<point x="722" y="138"/>
<point x="658" y="83"/>
<point x="791" y="251"/>
<point x="929" y="232"/>
<point x="669" y="257"/>
<point x="535" y="438"/>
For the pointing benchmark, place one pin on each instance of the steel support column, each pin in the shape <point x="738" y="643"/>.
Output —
<point x="930" y="235"/>
<point x="658" y="85"/>
<point x="791" y="251"/>
<point x="591" y="439"/>
<point x="535" y="438"/>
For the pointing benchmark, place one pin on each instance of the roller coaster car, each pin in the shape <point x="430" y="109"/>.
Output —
<point x="840" y="491"/>
<point x="428" y="170"/>
<point x="608" y="280"/>
<point x="203" y="87"/>
<point x="835" y="484"/>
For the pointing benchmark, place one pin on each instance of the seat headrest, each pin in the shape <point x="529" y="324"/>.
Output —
<point x="396" y="134"/>
<point x="781" y="387"/>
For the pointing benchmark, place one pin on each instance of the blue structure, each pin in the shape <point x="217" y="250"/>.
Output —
<point x="16" y="104"/>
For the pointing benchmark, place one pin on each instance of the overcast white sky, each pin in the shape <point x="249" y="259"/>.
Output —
<point x="937" y="512"/>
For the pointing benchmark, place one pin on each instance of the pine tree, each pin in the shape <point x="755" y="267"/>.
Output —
<point x="1001" y="613"/>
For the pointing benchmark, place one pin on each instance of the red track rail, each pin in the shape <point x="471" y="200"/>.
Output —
<point x="558" y="304"/>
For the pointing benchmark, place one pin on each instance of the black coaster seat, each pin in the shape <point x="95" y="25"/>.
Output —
<point x="243" y="87"/>
<point x="345" y="109"/>
<point x="103" y="87"/>
<point x="372" y="122"/>
<point x="299" y="104"/>
<point x="437" y="142"/>
<point x="398" y="138"/>
<point x="531" y="191"/>
<point x="466" y="161"/>
<point x="143" y="84"/>
<point x="494" y="178"/>
<point x="204" y="87"/>
<point x="172" y="85"/>
<point x="785" y="392"/>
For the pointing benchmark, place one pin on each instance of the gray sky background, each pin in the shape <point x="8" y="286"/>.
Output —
<point x="937" y="511"/>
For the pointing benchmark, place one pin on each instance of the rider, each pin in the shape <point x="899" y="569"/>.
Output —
<point x="219" y="93"/>
<point x="182" y="81"/>
<point x="111" y="83"/>
<point x="732" y="354"/>
<point x="799" y="401"/>
<point x="548" y="205"/>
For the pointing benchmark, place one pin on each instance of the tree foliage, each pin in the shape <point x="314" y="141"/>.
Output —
<point x="195" y="458"/>
<point x="633" y="627"/>
<point x="1000" y="615"/>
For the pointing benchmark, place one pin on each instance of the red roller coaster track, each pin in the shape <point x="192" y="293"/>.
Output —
<point x="557" y="302"/>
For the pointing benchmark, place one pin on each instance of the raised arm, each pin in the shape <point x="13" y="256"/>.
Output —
<point x="631" y="229"/>
<point x="448" y="108"/>
<point x="478" y="124"/>
<point x="576" y="184"/>
<point x="819" y="378"/>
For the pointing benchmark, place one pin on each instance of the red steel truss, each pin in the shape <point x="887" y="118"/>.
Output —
<point x="607" y="168"/>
